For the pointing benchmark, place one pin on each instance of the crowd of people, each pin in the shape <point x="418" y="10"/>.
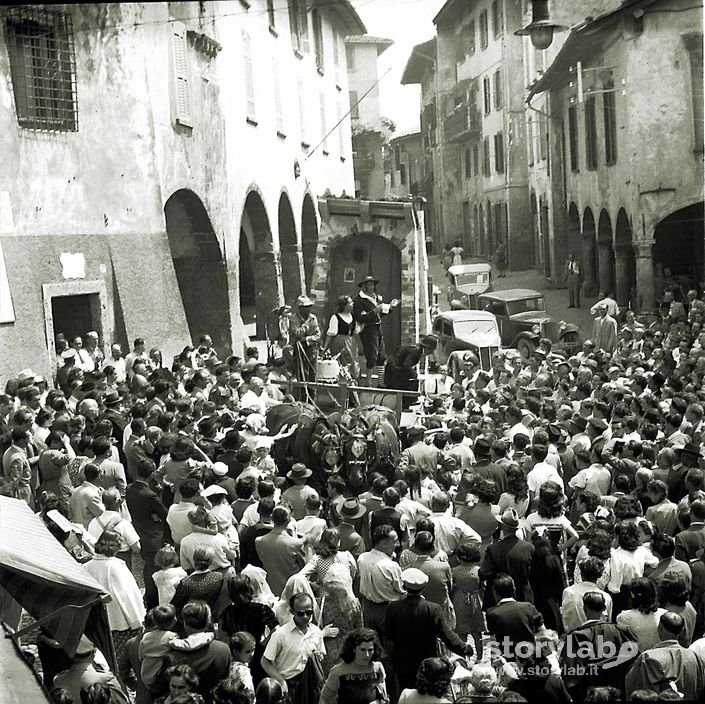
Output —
<point x="540" y="537"/>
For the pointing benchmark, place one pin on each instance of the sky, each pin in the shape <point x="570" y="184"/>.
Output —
<point x="407" y="22"/>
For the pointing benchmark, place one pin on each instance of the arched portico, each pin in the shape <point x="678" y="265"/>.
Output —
<point x="200" y="269"/>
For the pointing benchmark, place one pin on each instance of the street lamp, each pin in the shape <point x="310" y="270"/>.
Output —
<point x="541" y="29"/>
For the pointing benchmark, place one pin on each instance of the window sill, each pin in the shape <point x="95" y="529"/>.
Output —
<point x="305" y="145"/>
<point x="342" y="159"/>
<point x="273" y="31"/>
<point x="245" y="4"/>
<point x="325" y="152"/>
<point x="251" y="121"/>
<point x="281" y="134"/>
<point x="298" y="54"/>
<point x="320" y="71"/>
<point x="610" y="163"/>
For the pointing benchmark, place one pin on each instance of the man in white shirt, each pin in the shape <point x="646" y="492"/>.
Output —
<point x="542" y="471"/>
<point x="177" y="516"/>
<point x="256" y="398"/>
<point x="593" y="477"/>
<point x="380" y="577"/>
<point x="292" y="645"/>
<point x="612" y="307"/>
<point x="450" y="532"/>
<point x="117" y="362"/>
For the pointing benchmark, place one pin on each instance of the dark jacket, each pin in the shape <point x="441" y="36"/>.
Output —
<point x="412" y="626"/>
<point x="148" y="515"/>
<point x="583" y="671"/>
<point x="689" y="541"/>
<point x="516" y="621"/>
<point x="364" y="311"/>
<point x="510" y="556"/>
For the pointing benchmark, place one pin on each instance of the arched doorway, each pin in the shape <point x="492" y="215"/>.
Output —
<point x="291" y="276"/>
<point x="358" y="255"/>
<point x="625" y="261"/>
<point x="590" y="262"/>
<point x="200" y="269"/>
<point x="259" y="293"/>
<point x="605" y="253"/>
<point x="678" y="249"/>
<point x="309" y="239"/>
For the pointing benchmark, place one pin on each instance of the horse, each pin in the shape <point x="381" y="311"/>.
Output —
<point x="348" y="444"/>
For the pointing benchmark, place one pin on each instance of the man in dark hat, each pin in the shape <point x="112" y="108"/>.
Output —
<point x="306" y="337"/>
<point x="509" y="555"/>
<point x="351" y="514"/>
<point x="295" y="496"/>
<point x="401" y="371"/>
<point x="368" y="309"/>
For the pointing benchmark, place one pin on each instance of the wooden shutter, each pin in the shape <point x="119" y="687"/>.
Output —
<point x="249" y="78"/>
<point x="304" y="44"/>
<point x="341" y="133"/>
<point x="324" y="125"/>
<point x="182" y="84"/>
<point x="302" y="112"/>
<point x="278" y="109"/>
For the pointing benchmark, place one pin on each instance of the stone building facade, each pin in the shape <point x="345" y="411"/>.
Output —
<point x="161" y="165"/>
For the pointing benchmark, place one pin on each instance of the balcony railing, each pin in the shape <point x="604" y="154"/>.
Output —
<point x="461" y="124"/>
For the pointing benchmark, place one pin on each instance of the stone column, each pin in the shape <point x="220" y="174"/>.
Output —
<point x="623" y="283"/>
<point x="646" y="296"/>
<point x="604" y="257"/>
<point x="588" y="264"/>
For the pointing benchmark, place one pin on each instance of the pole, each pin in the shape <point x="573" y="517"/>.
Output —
<point x="417" y="283"/>
<point x="425" y="301"/>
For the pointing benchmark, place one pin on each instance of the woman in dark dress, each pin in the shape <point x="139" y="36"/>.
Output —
<point x="547" y="581"/>
<point x="245" y="615"/>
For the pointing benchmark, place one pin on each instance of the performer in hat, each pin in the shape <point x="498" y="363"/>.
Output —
<point x="401" y="371"/>
<point x="368" y="309"/>
<point x="305" y="336"/>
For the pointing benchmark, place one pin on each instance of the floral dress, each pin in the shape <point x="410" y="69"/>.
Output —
<point x="345" y="616"/>
<point x="467" y="600"/>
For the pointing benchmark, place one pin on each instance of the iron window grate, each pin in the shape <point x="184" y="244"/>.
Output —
<point x="43" y="68"/>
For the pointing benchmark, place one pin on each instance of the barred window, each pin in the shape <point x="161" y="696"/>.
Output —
<point x="43" y="69"/>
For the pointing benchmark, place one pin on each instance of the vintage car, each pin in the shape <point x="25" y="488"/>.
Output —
<point x="466" y="282"/>
<point x="523" y="320"/>
<point x="465" y="337"/>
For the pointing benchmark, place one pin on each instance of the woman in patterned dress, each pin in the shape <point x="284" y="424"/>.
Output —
<point x="466" y="596"/>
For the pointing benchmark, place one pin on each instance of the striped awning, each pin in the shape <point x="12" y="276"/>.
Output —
<point x="48" y="583"/>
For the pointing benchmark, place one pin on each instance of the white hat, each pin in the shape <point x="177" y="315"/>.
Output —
<point x="414" y="578"/>
<point x="212" y="490"/>
<point x="220" y="469"/>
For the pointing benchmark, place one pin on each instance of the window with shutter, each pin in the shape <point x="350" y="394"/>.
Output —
<point x="278" y="108"/>
<point x="499" y="153"/>
<point x="270" y="14"/>
<point x="182" y="83"/>
<point x="318" y="39"/>
<point x="487" y="94"/>
<point x="486" y="156"/>
<point x="298" y="25"/>
<point x="341" y="132"/>
<point x="324" y="123"/>
<point x="498" y="95"/>
<point x="336" y="55"/>
<point x="303" y="122"/>
<point x="484" y="30"/>
<point x="354" y="107"/>
<point x="249" y="76"/>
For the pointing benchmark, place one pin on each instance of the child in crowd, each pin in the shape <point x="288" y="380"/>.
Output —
<point x="223" y="514"/>
<point x="242" y="648"/>
<point x="263" y="460"/>
<point x="169" y="575"/>
<point x="155" y="645"/>
<point x="311" y="526"/>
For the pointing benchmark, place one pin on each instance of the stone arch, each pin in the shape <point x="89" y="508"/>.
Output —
<point x="605" y="253"/>
<point x="200" y="269"/>
<point x="590" y="260"/>
<point x="678" y="249"/>
<point x="573" y="239"/>
<point x="288" y="251"/>
<point x="625" y="261"/>
<point x="309" y="239"/>
<point x="259" y="289"/>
